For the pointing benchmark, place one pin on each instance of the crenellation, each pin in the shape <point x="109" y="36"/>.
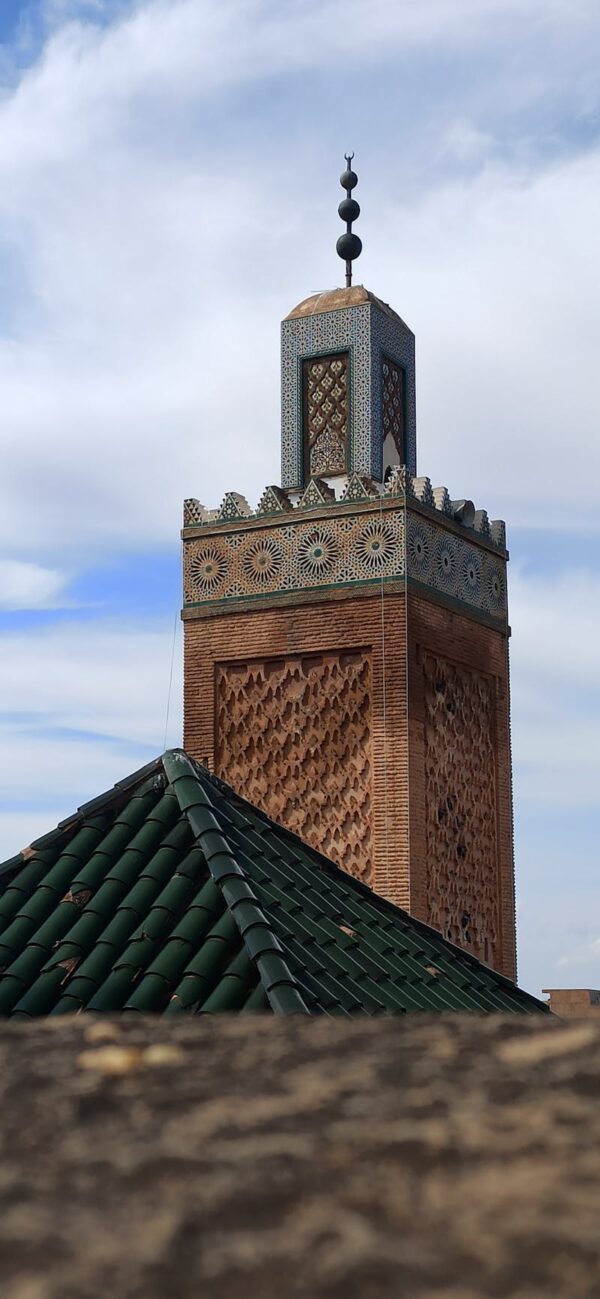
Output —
<point x="274" y="501"/>
<point x="233" y="506"/>
<point x="441" y="500"/>
<point x="423" y="492"/>
<point x="481" y="523"/>
<point x="194" y="513"/>
<point x="316" y="494"/>
<point x="359" y="488"/>
<point x="498" y="532"/>
<point x="399" y="482"/>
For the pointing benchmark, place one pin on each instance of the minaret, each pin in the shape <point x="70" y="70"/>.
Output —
<point x="346" y="642"/>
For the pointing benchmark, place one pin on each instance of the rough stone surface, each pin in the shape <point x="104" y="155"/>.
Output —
<point x="446" y="1158"/>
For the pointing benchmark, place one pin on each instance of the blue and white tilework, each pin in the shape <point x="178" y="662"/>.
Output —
<point x="376" y="543"/>
<point x="367" y="333"/>
<point x="391" y="337"/>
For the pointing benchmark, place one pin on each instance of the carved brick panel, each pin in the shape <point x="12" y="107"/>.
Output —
<point x="460" y="793"/>
<point x="326" y="414"/>
<point x="294" y="737"/>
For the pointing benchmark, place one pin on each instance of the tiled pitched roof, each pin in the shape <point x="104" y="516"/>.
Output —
<point x="170" y="893"/>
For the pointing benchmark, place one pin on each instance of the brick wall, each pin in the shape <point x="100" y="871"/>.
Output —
<point x="478" y="655"/>
<point x="289" y="632"/>
<point x="574" y="1003"/>
<point x="390" y="753"/>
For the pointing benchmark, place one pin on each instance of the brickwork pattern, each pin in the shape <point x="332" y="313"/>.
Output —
<point x="398" y="718"/>
<point x="293" y="736"/>
<point x="462" y="872"/>
<point x="481" y="653"/>
<point x="218" y="648"/>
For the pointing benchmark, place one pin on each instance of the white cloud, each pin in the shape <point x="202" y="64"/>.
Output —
<point x="558" y="943"/>
<point x="103" y="679"/>
<point x="17" y="829"/>
<point x="555" y="689"/>
<point x="167" y="192"/>
<point x="29" y="586"/>
<point x="556" y="618"/>
<point x="153" y="258"/>
<point x="82" y="705"/>
<point x="55" y="776"/>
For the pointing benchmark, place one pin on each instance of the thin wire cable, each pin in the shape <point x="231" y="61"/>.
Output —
<point x="385" y="738"/>
<point x="175" y="621"/>
<point x="407" y="688"/>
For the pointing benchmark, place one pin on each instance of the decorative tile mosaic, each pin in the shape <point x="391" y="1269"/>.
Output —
<point x="322" y="552"/>
<point x="273" y="501"/>
<point x="392" y="339"/>
<point x="359" y="488"/>
<point x="367" y="334"/>
<point x="335" y="549"/>
<point x="325" y="414"/>
<point x="392" y="405"/>
<point x="317" y="493"/>
<point x="193" y="512"/>
<point x="441" y="560"/>
<point x="234" y="506"/>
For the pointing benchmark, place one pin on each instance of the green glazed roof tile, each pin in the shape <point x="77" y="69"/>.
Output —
<point x="172" y="894"/>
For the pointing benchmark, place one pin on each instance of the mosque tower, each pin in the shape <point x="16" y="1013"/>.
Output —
<point x="346" y="642"/>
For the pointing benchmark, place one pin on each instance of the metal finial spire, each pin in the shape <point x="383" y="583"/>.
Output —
<point x="349" y="246"/>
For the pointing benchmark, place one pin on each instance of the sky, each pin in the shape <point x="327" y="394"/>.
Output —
<point x="168" y="191"/>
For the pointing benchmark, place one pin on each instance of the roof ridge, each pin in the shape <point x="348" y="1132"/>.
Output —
<point x="378" y="900"/>
<point x="77" y="818"/>
<point x="256" y="933"/>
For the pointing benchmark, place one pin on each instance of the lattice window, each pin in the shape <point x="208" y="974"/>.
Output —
<point x="460" y="784"/>
<point x="294" y="737"/>
<point x="392" y="405"/>
<point x="325" y="393"/>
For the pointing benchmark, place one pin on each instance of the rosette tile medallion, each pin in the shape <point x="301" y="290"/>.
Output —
<point x="356" y="575"/>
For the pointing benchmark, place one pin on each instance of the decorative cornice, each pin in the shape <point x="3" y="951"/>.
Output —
<point x="345" y="544"/>
<point x="359" y="490"/>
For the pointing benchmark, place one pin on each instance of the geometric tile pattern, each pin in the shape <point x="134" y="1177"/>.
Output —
<point x="439" y="559"/>
<point x="338" y="546"/>
<point x="460" y="811"/>
<point x="327" y="551"/>
<point x="392" y="399"/>
<point x="393" y="340"/>
<point x="324" y="702"/>
<point x="326" y="414"/>
<point x="367" y="333"/>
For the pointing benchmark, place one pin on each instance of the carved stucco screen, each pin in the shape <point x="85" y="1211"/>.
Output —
<point x="392" y="408"/>
<point x="294" y="737"/>
<point x="460" y="783"/>
<point x="325" y="414"/>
